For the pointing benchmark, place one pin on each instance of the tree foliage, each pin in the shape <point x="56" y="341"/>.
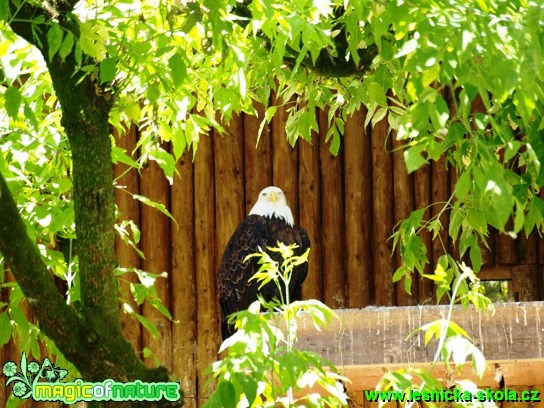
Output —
<point x="262" y="367"/>
<point x="70" y="72"/>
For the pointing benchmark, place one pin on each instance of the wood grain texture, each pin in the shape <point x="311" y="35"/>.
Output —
<point x="257" y="157"/>
<point x="229" y="183"/>
<point x="382" y="215"/>
<point x="332" y="236"/>
<point x="157" y="249"/>
<point x="422" y="200"/>
<point x="378" y="336"/>
<point x="358" y="220"/>
<point x="403" y="205"/>
<point x="525" y="285"/>
<point x="183" y="281"/>
<point x="310" y="215"/>
<point x="206" y="264"/>
<point x="507" y="247"/>
<point x="285" y="160"/>
<point x="127" y="183"/>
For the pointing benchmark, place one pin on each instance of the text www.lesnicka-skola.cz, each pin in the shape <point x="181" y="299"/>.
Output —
<point x="454" y="395"/>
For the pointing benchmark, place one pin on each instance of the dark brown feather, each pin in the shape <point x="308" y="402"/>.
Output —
<point x="236" y="292"/>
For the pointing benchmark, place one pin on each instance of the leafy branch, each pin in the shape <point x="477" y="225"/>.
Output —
<point x="262" y="367"/>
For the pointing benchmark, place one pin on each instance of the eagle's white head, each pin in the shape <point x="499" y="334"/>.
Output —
<point x="272" y="203"/>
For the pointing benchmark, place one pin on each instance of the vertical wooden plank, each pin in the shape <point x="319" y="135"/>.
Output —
<point x="403" y="205"/>
<point x="156" y="247"/>
<point x="528" y="248"/>
<point x="310" y="214"/>
<point x="358" y="205"/>
<point x="541" y="240"/>
<point x="229" y="183"/>
<point x="183" y="280"/>
<point x="525" y="285"/>
<point x="507" y="248"/>
<point x="382" y="213"/>
<point x="284" y="160"/>
<point x="422" y="196"/>
<point x="127" y="183"/>
<point x="258" y="157"/>
<point x="332" y="236"/>
<point x="488" y="253"/>
<point x="440" y="194"/>
<point x="205" y="263"/>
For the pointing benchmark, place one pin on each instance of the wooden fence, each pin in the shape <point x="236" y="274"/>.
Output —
<point x="349" y="205"/>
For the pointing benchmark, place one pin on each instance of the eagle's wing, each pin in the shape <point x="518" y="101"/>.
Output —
<point x="301" y="271"/>
<point x="235" y="291"/>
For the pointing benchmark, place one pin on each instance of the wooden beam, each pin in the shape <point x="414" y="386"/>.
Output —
<point x="366" y="343"/>
<point x="495" y="272"/>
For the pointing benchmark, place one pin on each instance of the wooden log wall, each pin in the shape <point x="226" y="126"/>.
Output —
<point x="349" y="205"/>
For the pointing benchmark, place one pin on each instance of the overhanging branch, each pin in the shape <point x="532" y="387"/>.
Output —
<point x="57" y="319"/>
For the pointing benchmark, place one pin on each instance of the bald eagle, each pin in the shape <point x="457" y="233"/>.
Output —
<point x="269" y="221"/>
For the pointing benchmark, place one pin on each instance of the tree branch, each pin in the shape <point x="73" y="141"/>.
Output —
<point x="55" y="316"/>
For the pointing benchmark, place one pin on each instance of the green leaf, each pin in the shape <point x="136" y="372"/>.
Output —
<point x="408" y="284"/>
<point x="157" y="304"/>
<point x="139" y="292"/>
<point x="153" y="204"/>
<point x="463" y="185"/>
<point x="13" y="99"/>
<point x="476" y="257"/>
<point x="147" y="324"/>
<point x="107" y="70"/>
<point x="227" y="393"/>
<point x="478" y="361"/>
<point x="178" y="69"/>
<point x="165" y="161"/>
<point x="399" y="273"/>
<point x="67" y="45"/>
<point x="5" y="328"/>
<point x="413" y="158"/>
<point x="119" y="155"/>
<point x="4" y="10"/>
<point x="54" y="40"/>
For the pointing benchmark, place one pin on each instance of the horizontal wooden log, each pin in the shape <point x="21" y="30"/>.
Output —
<point x="366" y="343"/>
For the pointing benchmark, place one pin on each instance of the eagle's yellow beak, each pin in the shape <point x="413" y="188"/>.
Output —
<point x="273" y="197"/>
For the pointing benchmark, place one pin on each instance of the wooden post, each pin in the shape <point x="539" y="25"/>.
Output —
<point x="541" y="241"/>
<point x="358" y="228"/>
<point x="525" y="285"/>
<point x="310" y="214"/>
<point x="258" y="160"/>
<point x="507" y="248"/>
<point x="422" y="196"/>
<point x="183" y="281"/>
<point x="156" y="247"/>
<point x="205" y="263"/>
<point x="440" y="195"/>
<point x="285" y="160"/>
<point x="332" y="236"/>
<point x="229" y="183"/>
<point x="528" y="248"/>
<point x="382" y="212"/>
<point x="403" y="198"/>
<point x="129" y="209"/>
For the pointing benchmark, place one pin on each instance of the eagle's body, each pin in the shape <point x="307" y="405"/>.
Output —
<point x="269" y="221"/>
